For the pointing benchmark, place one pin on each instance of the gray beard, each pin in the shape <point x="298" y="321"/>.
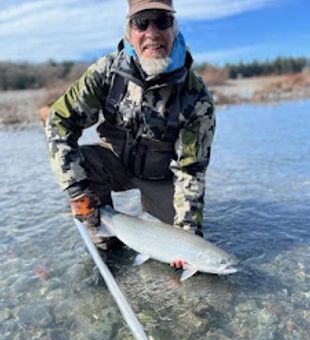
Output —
<point x="154" y="66"/>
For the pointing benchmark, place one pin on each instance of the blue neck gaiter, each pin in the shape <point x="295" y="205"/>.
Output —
<point x="178" y="53"/>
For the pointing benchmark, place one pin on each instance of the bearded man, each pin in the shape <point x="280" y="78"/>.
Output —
<point x="156" y="125"/>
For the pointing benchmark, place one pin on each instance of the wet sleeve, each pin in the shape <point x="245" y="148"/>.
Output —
<point x="193" y="149"/>
<point x="76" y="110"/>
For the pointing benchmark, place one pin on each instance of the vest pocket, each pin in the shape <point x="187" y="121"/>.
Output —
<point x="152" y="159"/>
<point x="142" y="157"/>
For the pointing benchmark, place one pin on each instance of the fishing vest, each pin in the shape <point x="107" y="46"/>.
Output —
<point x="143" y="157"/>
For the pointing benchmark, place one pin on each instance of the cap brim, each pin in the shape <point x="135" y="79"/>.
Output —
<point x="143" y="7"/>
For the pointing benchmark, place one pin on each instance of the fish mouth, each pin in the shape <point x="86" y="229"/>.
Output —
<point x="228" y="270"/>
<point x="228" y="267"/>
<point x="222" y="270"/>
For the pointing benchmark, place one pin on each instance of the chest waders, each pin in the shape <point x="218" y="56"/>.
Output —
<point x="143" y="157"/>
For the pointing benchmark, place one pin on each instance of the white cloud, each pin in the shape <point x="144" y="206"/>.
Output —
<point x="37" y="30"/>
<point x="215" y="9"/>
<point x="67" y="29"/>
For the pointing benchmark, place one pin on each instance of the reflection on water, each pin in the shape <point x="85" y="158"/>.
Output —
<point x="257" y="207"/>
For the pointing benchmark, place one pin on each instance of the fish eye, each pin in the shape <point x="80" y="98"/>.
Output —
<point x="223" y="261"/>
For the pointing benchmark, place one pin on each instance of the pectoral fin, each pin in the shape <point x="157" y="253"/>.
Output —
<point x="148" y="217"/>
<point x="140" y="259"/>
<point x="188" y="272"/>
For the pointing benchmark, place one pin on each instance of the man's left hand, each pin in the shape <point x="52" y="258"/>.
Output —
<point x="178" y="263"/>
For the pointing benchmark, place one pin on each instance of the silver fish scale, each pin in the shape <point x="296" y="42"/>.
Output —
<point x="161" y="241"/>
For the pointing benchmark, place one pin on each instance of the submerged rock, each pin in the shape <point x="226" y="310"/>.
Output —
<point x="64" y="312"/>
<point x="41" y="272"/>
<point x="216" y="335"/>
<point x="247" y="306"/>
<point x="189" y="320"/>
<point x="5" y="314"/>
<point x="55" y="283"/>
<point x="55" y="295"/>
<point x="265" y="317"/>
<point x="36" y="315"/>
<point x="77" y="272"/>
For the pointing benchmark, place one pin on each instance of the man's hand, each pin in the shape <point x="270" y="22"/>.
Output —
<point x="85" y="209"/>
<point x="178" y="263"/>
<point x="43" y="113"/>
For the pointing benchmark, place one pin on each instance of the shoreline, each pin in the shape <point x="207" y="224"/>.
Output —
<point x="263" y="90"/>
<point x="20" y="108"/>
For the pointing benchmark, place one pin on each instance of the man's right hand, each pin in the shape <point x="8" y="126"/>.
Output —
<point x="85" y="209"/>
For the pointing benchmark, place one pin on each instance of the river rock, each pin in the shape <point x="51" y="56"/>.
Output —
<point x="63" y="311"/>
<point x="247" y="306"/>
<point x="267" y="318"/>
<point x="77" y="272"/>
<point x="5" y="314"/>
<point x="189" y="320"/>
<point x="36" y="315"/>
<point x="55" y="295"/>
<point x="216" y="335"/>
<point x="9" y="327"/>
<point x="55" y="283"/>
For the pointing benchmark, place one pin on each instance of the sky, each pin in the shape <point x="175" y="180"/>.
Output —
<point x="216" y="31"/>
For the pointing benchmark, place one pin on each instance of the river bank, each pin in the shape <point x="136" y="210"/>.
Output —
<point x="260" y="90"/>
<point x="21" y="108"/>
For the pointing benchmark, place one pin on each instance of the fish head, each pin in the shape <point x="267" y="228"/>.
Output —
<point x="221" y="264"/>
<point x="227" y="266"/>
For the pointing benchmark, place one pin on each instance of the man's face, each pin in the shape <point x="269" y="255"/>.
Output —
<point x="151" y="33"/>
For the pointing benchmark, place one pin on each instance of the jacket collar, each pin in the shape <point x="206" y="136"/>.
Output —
<point x="129" y="67"/>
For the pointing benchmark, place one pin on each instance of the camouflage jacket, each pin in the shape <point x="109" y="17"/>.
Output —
<point x="83" y="105"/>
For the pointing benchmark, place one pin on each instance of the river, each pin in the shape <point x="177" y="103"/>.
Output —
<point x="257" y="207"/>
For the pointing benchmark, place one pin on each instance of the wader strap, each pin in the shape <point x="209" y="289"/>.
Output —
<point x="116" y="92"/>
<point x="172" y="130"/>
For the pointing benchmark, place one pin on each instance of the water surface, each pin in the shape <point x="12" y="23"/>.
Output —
<point x="257" y="207"/>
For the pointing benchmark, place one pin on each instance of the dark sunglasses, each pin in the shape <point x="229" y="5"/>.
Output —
<point x="162" y="22"/>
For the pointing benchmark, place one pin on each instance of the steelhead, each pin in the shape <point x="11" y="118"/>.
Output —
<point x="153" y="239"/>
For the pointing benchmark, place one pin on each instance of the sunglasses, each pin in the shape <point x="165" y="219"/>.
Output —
<point x="162" y="22"/>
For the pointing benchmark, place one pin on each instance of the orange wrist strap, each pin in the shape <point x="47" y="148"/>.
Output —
<point x="82" y="206"/>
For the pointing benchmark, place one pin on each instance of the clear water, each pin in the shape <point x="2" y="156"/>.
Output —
<point x="257" y="207"/>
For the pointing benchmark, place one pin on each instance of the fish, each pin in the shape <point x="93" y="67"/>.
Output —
<point x="153" y="239"/>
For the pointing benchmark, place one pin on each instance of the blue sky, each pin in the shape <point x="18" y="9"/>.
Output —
<point x="217" y="31"/>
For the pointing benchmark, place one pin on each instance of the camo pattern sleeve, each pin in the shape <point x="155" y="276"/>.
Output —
<point x="76" y="110"/>
<point x="193" y="149"/>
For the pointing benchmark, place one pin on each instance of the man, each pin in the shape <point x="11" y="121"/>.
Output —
<point x="156" y="125"/>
